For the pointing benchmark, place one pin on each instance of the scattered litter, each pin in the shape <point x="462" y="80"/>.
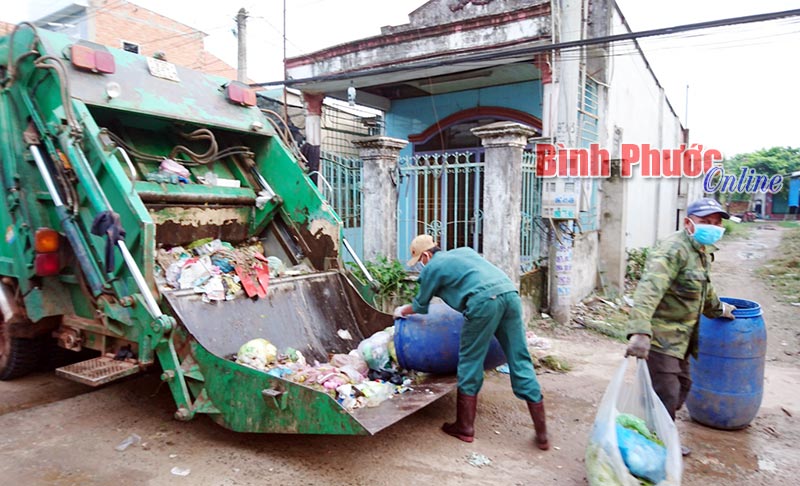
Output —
<point x="344" y="334"/>
<point x="628" y="300"/>
<point x="478" y="460"/>
<point x="497" y="432"/>
<point x="169" y="166"/>
<point x="787" y="412"/>
<point x="132" y="439"/>
<point x="503" y="368"/>
<point x="213" y="179"/>
<point x="173" y="456"/>
<point x="766" y="465"/>
<point x="796" y="304"/>
<point x="537" y="342"/>
<point x="545" y="316"/>
<point x="180" y="471"/>
<point x="607" y="302"/>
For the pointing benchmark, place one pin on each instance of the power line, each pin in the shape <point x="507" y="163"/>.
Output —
<point x="546" y="47"/>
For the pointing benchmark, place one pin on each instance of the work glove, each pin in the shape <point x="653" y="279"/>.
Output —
<point x="639" y="346"/>
<point x="400" y="311"/>
<point x="727" y="310"/>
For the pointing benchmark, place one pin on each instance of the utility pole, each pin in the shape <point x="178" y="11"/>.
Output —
<point x="285" y="73"/>
<point x="241" y="34"/>
<point x="686" y="112"/>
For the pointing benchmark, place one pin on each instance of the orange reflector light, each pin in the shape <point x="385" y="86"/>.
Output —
<point x="46" y="240"/>
<point x="47" y="264"/>
<point x="84" y="57"/>
<point x="240" y="93"/>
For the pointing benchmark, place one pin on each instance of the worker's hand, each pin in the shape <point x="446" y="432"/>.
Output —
<point x="727" y="311"/>
<point x="402" y="311"/>
<point x="639" y="346"/>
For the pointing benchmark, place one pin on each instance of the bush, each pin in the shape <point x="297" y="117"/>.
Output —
<point x="637" y="257"/>
<point x="395" y="285"/>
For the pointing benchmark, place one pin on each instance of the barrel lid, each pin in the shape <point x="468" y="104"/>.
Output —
<point x="744" y="308"/>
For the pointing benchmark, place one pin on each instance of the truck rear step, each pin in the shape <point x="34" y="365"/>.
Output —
<point x="98" y="371"/>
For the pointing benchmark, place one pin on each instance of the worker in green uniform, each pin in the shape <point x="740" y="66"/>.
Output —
<point x="674" y="290"/>
<point x="491" y="306"/>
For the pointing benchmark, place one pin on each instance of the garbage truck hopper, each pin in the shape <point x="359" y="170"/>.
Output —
<point x="126" y="159"/>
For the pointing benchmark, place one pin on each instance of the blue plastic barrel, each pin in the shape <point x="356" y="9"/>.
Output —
<point x="429" y="342"/>
<point x="728" y="374"/>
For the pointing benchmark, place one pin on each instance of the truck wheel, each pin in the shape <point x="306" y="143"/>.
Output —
<point x="18" y="356"/>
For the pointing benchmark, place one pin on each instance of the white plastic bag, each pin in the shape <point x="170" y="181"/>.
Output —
<point x="604" y="463"/>
<point x="375" y="350"/>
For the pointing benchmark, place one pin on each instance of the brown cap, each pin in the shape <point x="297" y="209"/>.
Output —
<point x="420" y="245"/>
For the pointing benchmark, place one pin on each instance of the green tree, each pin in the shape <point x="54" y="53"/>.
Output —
<point x="768" y="162"/>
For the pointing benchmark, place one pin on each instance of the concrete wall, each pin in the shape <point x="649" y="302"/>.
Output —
<point x="638" y="106"/>
<point x="431" y="38"/>
<point x="585" y="254"/>
<point x="436" y="13"/>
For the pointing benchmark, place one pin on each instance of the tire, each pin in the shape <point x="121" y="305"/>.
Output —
<point x="18" y="356"/>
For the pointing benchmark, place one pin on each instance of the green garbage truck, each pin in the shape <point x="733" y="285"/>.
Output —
<point x="87" y="208"/>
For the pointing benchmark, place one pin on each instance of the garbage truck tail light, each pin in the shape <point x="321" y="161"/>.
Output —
<point x="98" y="61"/>
<point x="47" y="264"/>
<point x="240" y="94"/>
<point x="46" y="240"/>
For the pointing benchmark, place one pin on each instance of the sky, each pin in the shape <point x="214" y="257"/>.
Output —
<point x="742" y="80"/>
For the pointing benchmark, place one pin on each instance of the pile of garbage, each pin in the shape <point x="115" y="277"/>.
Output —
<point x="220" y="271"/>
<point x="364" y="377"/>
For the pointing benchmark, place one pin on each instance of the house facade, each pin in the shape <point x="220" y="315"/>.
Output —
<point x="462" y="71"/>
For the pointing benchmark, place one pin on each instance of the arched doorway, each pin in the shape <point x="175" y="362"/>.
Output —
<point x="441" y="184"/>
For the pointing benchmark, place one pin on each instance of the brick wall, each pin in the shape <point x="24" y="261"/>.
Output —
<point x="116" y="21"/>
<point x="5" y="28"/>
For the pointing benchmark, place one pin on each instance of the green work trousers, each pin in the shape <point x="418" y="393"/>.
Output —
<point x="499" y="316"/>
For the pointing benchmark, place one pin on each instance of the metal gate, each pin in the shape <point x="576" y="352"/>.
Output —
<point x="340" y="184"/>
<point x="441" y="194"/>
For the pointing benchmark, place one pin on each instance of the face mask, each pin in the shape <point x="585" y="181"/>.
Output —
<point x="707" y="234"/>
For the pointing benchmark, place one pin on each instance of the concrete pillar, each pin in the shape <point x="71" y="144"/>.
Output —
<point x="613" y="256"/>
<point x="311" y="147"/>
<point x="502" y="192"/>
<point x="560" y="253"/>
<point x="378" y="186"/>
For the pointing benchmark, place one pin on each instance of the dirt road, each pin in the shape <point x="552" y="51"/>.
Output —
<point x="53" y="433"/>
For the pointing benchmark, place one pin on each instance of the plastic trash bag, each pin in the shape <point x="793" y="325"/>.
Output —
<point x="375" y="350"/>
<point x="605" y="465"/>
<point x="645" y="459"/>
<point x="257" y="353"/>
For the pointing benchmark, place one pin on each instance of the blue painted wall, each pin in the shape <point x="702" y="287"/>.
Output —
<point x="414" y="115"/>
<point x="794" y="191"/>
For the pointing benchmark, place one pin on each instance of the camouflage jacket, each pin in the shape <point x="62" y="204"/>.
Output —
<point x="675" y="288"/>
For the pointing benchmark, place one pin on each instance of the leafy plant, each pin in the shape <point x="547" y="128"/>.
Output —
<point x="395" y="285"/>
<point x="637" y="257"/>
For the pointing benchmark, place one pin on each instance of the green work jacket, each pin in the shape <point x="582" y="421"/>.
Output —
<point x="674" y="290"/>
<point x="462" y="278"/>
